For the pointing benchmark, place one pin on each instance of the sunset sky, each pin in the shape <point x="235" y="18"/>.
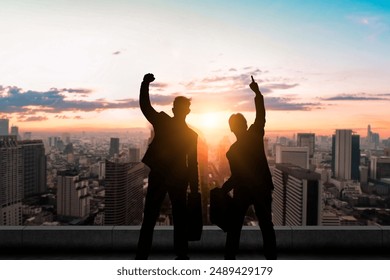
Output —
<point x="73" y="65"/>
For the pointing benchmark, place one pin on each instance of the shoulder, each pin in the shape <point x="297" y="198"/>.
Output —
<point x="192" y="133"/>
<point x="163" y="117"/>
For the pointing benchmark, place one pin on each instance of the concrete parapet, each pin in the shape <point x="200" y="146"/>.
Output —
<point x="213" y="238"/>
<point x="67" y="237"/>
<point x="11" y="237"/>
<point x="337" y="237"/>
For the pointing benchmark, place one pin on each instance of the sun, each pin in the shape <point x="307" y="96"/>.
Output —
<point x="210" y="120"/>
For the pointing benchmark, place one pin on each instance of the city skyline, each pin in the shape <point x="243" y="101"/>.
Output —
<point x="320" y="66"/>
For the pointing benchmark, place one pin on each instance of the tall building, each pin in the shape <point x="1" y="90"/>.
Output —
<point x="307" y="140"/>
<point x="297" y="196"/>
<point x="73" y="199"/>
<point x="34" y="162"/>
<point x="346" y="155"/>
<point x="15" y="131"/>
<point x="27" y="136"/>
<point x="4" y="127"/>
<point x="379" y="168"/>
<point x="53" y="141"/>
<point x="124" y="193"/>
<point x="134" y="155"/>
<point x="294" y="155"/>
<point x="11" y="181"/>
<point x="114" y="146"/>
<point x="66" y="138"/>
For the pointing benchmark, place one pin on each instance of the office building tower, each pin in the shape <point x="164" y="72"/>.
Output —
<point x="379" y="168"/>
<point x="73" y="199"/>
<point x="27" y="136"/>
<point x="297" y="196"/>
<point x="307" y="140"/>
<point x="66" y="138"/>
<point x="4" y="127"/>
<point x="330" y="219"/>
<point x="53" y="141"/>
<point x="294" y="155"/>
<point x="134" y="155"/>
<point x="124" y="193"/>
<point x="15" y="132"/>
<point x="11" y="181"/>
<point x="346" y="155"/>
<point x="114" y="146"/>
<point x="34" y="162"/>
<point x="369" y="134"/>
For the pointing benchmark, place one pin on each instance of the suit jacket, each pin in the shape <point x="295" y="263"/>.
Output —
<point x="173" y="150"/>
<point x="247" y="159"/>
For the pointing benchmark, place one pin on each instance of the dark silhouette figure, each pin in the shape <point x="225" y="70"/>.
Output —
<point x="250" y="179"/>
<point x="172" y="159"/>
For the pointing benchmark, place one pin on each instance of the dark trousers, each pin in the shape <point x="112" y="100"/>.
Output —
<point x="155" y="195"/>
<point x="262" y="203"/>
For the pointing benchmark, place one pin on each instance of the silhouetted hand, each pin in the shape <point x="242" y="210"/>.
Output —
<point x="148" y="78"/>
<point x="254" y="86"/>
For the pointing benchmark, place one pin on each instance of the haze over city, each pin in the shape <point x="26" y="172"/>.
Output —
<point x="77" y="65"/>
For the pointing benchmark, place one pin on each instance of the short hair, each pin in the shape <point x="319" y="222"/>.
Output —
<point x="181" y="101"/>
<point x="237" y="120"/>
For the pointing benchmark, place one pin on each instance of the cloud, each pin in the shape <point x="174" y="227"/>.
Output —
<point x="159" y="99"/>
<point x="74" y="90"/>
<point x="238" y="79"/>
<point x="280" y="86"/>
<point x="242" y="100"/>
<point x="62" y="117"/>
<point x="375" y="24"/>
<point x="16" y="100"/>
<point x="229" y="91"/>
<point x="158" y="86"/>
<point x="355" y="97"/>
<point x="32" y="119"/>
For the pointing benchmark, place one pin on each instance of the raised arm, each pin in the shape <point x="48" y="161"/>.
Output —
<point x="144" y="100"/>
<point x="259" y="103"/>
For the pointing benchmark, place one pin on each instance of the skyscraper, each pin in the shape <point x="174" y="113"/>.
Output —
<point x="73" y="199"/>
<point x="346" y="155"/>
<point x="307" y="140"/>
<point x="124" y="193"/>
<point x="114" y="146"/>
<point x="297" y="196"/>
<point x="134" y="155"/>
<point x="11" y="181"/>
<point x="27" y="136"/>
<point x="4" y="127"/>
<point x="34" y="162"/>
<point x="294" y="155"/>
<point x="379" y="168"/>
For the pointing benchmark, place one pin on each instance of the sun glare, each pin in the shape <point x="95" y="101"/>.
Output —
<point x="210" y="120"/>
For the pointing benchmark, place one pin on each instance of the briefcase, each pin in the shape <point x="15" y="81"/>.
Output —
<point x="221" y="208"/>
<point x="194" y="217"/>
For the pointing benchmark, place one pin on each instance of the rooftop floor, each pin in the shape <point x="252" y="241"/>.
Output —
<point x="119" y="243"/>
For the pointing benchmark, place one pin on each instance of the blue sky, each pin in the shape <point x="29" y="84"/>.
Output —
<point x="321" y="65"/>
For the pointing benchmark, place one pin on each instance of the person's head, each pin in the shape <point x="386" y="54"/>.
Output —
<point x="181" y="106"/>
<point x="238" y="124"/>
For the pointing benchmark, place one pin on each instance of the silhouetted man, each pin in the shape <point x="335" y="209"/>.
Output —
<point x="172" y="159"/>
<point x="250" y="179"/>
